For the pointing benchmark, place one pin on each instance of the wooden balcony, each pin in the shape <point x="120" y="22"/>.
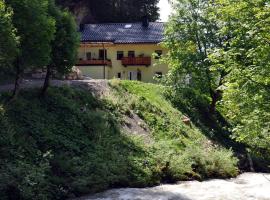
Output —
<point x="94" y="62"/>
<point x="136" y="61"/>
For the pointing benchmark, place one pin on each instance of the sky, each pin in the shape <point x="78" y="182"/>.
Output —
<point x="165" y="10"/>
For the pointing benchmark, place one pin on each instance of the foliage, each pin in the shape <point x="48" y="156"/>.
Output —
<point x="195" y="161"/>
<point x="66" y="40"/>
<point x="223" y="46"/>
<point x="36" y="30"/>
<point x="8" y="39"/>
<point x="64" y="45"/>
<point x="115" y="10"/>
<point x="246" y="96"/>
<point x="35" y="37"/>
<point x="190" y="35"/>
<point x="70" y="143"/>
<point x="195" y="105"/>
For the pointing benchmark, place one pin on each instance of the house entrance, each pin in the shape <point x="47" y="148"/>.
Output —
<point x="135" y="75"/>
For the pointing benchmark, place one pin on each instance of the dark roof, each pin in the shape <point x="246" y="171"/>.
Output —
<point x="123" y="33"/>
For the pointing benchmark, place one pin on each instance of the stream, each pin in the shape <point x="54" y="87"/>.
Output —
<point x="247" y="186"/>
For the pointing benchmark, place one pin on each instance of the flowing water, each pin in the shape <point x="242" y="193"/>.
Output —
<point x="248" y="186"/>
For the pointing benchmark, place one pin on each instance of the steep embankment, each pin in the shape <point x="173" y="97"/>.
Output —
<point x="93" y="137"/>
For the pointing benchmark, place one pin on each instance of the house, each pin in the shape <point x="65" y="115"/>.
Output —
<point x="122" y="50"/>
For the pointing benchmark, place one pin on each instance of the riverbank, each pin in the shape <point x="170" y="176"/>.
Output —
<point x="247" y="186"/>
<point x="89" y="136"/>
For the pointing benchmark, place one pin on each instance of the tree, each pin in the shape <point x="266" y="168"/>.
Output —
<point x="8" y="39"/>
<point x="35" y="30"/>
<point x="104" y="11"/>
<point x="190" y="36"/>
<point x="247" y="59"/>
<point x="65" y="44"/>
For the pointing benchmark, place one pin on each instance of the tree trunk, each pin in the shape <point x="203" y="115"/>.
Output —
<point x="18" y="80"/>
<point x="215" y="97"/>
<point x="46" y="81"/>
<point x="216" y="94"/>
<point x="213" y="104"/>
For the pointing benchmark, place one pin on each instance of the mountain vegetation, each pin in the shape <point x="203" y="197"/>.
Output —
<point x="70" y="143"/>
<point x="64" y="44"/>
<point x="220" y="50"/>
<point x="34" y="39"/>
<point x="8" y="39"/>
<point x="208" y="117"/>
<point x="104" y="11"/>
<point x="51" y="39"/>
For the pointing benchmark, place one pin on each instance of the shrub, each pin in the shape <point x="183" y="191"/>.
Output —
<point x="212" y="161"/>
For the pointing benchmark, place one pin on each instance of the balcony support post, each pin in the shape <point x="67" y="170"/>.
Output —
<point x="104" y="65"/>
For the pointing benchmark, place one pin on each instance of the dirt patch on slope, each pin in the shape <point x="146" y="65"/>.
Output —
<point x="134" y="125"/>
<point x="99" y="88"/>
<point x="131" y="123"/>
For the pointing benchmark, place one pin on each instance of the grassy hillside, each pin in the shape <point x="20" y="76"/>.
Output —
<point x="72" y="143"/>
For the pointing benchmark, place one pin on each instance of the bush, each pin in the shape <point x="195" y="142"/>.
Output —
<point x="194" y="162"/>
<point x="212" y="161"/>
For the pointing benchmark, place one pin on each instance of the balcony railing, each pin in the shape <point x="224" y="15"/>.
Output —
<point x="94" y="62"/>
<point x="136" y="61"/>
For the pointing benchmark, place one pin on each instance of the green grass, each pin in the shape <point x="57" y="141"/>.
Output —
<point x="71" y="143"/>
<point x="151" y="92"/>
<point x="148" y="101"/>
<point x="171" y="135"/>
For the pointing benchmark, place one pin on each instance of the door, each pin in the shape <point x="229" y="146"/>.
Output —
<point x="132" y="75"/>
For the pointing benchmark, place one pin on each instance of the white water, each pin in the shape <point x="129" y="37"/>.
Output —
<point x="248" y="186"/>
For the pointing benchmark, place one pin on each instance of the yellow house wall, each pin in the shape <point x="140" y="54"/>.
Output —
<point x="117" y="67"/>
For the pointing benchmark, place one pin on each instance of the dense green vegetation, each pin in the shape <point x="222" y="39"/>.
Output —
<point x="104" y="11"/>
<point x="219" y="53"/>
<point x="64" y="45"/>
<point x="51" y="39"/>
<point x="70" y="143"/>
<point x="34" y="38"/>
<point x="8" y="40"/>
<point x="246" y="97"/>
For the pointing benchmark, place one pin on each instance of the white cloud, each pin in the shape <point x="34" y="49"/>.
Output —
<point x="165" y="10"/>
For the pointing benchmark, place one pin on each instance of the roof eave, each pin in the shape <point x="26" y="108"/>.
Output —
<point x="112" y="42"/>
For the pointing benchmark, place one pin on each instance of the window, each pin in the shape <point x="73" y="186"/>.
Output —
<point x="158" y="54"/>
<point x="135" y="75"/>
<point x="158" y="74"/>
<point x="88" y="55"/>
<point x="102" y="55"/>
<point x="132" y="75"/>
<point x="119" y="75"/>
<point x="120" y="55"/>
<point x="131" y="54"/>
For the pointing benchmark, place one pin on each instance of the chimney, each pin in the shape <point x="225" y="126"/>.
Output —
<point x="145" y="22"/>
<point x="81" y="27"/>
